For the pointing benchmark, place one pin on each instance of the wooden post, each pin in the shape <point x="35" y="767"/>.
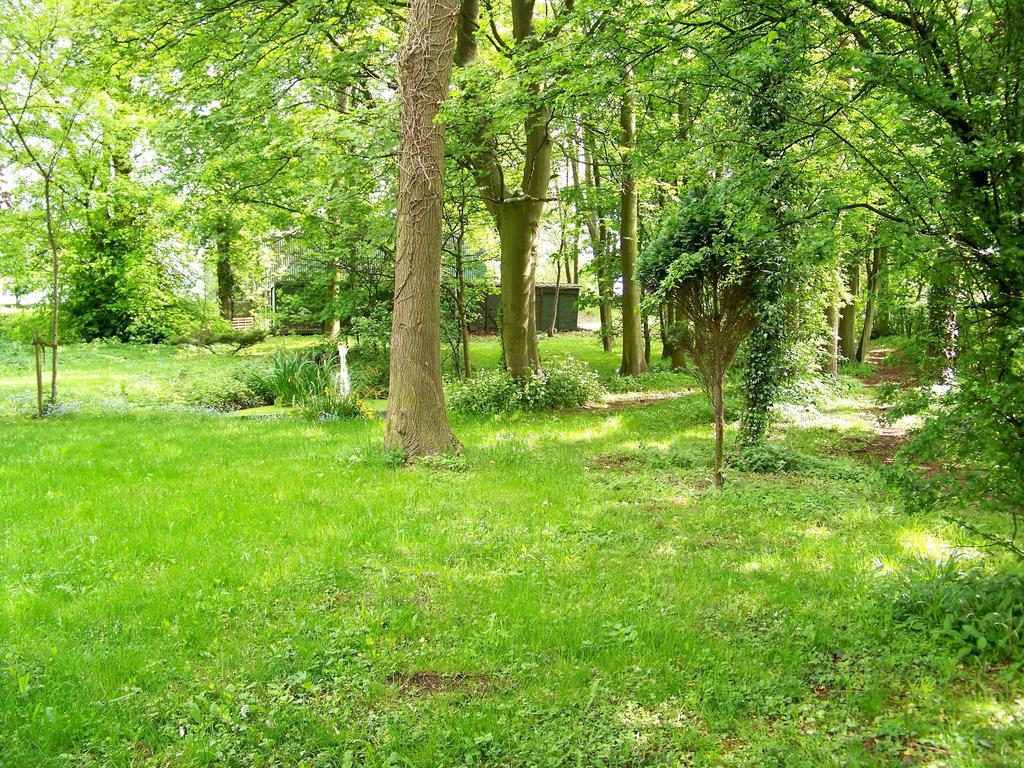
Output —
<point x="38" y="344"/>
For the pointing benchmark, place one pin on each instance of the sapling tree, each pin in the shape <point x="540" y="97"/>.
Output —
<point x="40" y="109"/>
<point x="698" y="264"/>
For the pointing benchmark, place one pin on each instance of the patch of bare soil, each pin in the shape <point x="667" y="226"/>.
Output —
<point x="887" y="440"/>
<point x="884" y="445"/>
<point x="631" y="400"/>
<point x="885" y="371"/>
<point x="429" y="682"/>
<point x="616" y="462"/>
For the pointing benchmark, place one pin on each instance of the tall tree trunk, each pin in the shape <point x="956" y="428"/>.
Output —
<point x="332" y="323"/>
<point x="594" y="223"/>
<point x="532" y="347"/>
<point x="882" y="300"/>
<point x="647" y="337"/>
<point x="517" y="232"/>
<point x="832" y="344"/>
<point x="874" y="269"/>
<point x="943" y="325"/>
<point x="554" y="308"/>
<point x="598" y="230"/>
<point x="848" y="314"/>
<point x="460" y="297"/>
<point x="517" y="212"/>
<point x="719" y="432"/>
<point x="417" y="422"/>
<point x="675" y="336"/>
<point x="633" y="359"/>
<point x="718" y="374"/>
<point x="225" y="276"/>
<point x="665" y="312"/>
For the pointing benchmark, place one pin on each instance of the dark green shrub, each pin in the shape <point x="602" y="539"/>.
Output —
<point x="229" y="392"/>
<point x="221" y="333"/>
<point x="567" y="384"/>
<point x="763" y="458"/>
<point x="293" y="376"/>
<point x="977" y="610"/>
<point x="328" y="405"/>
<point x="257" y="378"/>
<point x="488" y="392"/>
<point x="308" y="380"/>
<point x="369" y="371"/>
<point x="773" y="459"/>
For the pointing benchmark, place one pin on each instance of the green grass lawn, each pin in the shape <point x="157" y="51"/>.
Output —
<point x="186" y="589"/>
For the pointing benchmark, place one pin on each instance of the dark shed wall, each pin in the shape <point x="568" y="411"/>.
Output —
<point x="568" y="309"/>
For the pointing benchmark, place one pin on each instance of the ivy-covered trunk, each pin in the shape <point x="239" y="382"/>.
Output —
<point x="875" y="267"/>
<point x="832" y="342"/>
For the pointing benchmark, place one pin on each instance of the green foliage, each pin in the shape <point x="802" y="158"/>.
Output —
<point x="368" y="367"/>
<point x="21" y="325"/>
<point x="327" y="405"/>
<point x="221" y="333"/>
<point x="257" y="378"/>
<point x="772" y="458"/>
<point x="294" y="376"/>
<point x="973" y="438"/>
<point x="565" y="384"/>
<point x="232" y="391"/>
<point x="972" y="608"/>
<point x="117" y="284"/>
<point x="308" y="380"/>
<point x="694" y="242"/>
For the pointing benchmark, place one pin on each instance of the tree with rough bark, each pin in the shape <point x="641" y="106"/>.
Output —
<point x="848" y="312"/>
<point x="417" y="423"/>
<point x="517" y="208"/>
<point x="634" y="359"/>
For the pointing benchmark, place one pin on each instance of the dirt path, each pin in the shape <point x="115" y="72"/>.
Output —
<point x="617" y="401"/>
<point x="885" y="372"/>
<point x="888" y="439"/>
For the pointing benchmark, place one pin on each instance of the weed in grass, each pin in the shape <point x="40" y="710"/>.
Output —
<point x="969" y="605"/>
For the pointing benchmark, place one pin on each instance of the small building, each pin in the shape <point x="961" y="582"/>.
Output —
<point x="566" y="318"/>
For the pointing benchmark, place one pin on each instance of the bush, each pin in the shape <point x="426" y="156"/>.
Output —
<point x="976" y="609"/>
<point x="764" y="459"/>
<point x="330" y="406"/>
<point x="230" y="392"/>
<point x="257" y="378"/>
<point x="564" y="385"/>
<point x="21" y="325"/>
<point x="222" y="333"/>
<point x="294" y="376"/>
<point x="369" y="369"/>
<point x="971" y="441"/>
<point x="308" y="380"/>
